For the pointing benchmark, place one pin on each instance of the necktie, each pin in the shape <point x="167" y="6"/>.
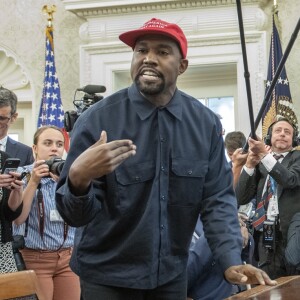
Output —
<point x="262" y="206"/>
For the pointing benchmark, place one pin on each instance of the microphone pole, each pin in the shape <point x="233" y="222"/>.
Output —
<point x="275" y="78"/>
<point x="246" y="71"/>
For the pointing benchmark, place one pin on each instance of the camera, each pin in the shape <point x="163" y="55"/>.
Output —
<point x="248" y="211"/>
<point x="18" y="243"/>
<point x="55" y="165"/>
<point x="271" y="234"/>
<point x="88" y="99"/>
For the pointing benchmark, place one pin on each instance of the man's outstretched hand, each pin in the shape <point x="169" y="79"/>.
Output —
<point x="248" y="274"/>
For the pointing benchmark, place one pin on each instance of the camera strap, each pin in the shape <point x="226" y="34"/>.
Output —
<point x="41" y="209"/>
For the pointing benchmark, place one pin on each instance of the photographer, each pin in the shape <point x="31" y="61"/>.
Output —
<point x="48" y="239"/>
<point x="274" y="177"/>
<point x="10" y="208"/>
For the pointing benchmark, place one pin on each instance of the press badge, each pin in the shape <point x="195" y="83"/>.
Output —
<point x="55" y="216"/>
<point x="273" y="206"/>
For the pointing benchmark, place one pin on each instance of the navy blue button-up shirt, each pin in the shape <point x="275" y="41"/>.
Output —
<point x="137" y="222"/>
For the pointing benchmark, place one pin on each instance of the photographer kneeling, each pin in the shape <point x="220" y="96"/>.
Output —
<point x="48" y="239"/>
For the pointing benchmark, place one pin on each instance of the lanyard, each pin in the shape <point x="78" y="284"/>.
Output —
<point x="273" y="186"/>
<point x="41" y="209"/>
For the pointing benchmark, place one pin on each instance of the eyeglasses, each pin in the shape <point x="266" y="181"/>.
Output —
<point x="4" y="120"/>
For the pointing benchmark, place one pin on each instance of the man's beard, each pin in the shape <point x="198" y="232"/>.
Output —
<point x="149" y="89"/>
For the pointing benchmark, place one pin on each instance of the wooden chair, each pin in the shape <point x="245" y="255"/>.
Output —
<point x="20" y="285"/>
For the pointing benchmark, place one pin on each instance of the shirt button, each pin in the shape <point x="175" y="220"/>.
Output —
<point x="162" y="227"/>
<point x="162" y="139"/>
<point x="190" y="172"/>
<point x="137" y="178"/>
<point x="163" y="197"/>
<point x="162" y="168"/>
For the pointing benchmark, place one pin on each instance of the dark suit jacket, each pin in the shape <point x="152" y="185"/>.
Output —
<point x="287" y="176"/>
<point x="19" y="150"/>
<point x="6" y="214"/>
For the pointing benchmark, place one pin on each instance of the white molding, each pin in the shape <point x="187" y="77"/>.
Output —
<point x="15" y="76"/>
<point x="205" y="21"/>
<point x="88" y="8"/>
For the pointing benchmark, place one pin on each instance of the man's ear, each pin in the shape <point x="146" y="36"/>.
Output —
<point x="183" y="66"/>
<point x="14" y="117"/>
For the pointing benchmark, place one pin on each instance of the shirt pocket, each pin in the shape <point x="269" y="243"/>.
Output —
<point x="134" y="184"/>
<point x="186" y="181"/>
<point x="185" y="194"/>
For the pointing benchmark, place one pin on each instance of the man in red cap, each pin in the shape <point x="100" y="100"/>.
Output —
<point x="137" y="191"/>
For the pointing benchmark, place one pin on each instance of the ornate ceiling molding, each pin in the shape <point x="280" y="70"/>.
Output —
<point x="13" y="76"/>
<point x="91" y="8"/>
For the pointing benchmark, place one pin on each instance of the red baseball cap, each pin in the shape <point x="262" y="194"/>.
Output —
<point x="157" y="26"/>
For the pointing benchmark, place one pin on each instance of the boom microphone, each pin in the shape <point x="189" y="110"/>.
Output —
<point x="92" y="89"/>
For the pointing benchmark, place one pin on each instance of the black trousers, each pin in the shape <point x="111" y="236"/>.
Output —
<point x="176" y="289"/>
<point x="273" y="261"/>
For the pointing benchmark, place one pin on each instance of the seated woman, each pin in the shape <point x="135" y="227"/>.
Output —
<point x="11" y="205"/>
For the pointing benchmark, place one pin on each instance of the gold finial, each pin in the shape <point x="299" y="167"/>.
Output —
<point x="275" y="6"/>
<point x="49" y="10"/>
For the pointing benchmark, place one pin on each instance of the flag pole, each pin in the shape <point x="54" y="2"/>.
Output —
<point x="51" y="110"/>
<point x="275" y="78"/>
<point x="246" y="71"/>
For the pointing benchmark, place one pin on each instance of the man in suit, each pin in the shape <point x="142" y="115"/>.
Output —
<point x="274" y="176"/>
<point x="8" y="115"/>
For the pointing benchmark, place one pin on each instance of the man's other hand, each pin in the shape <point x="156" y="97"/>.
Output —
<point x="248" y="274"/>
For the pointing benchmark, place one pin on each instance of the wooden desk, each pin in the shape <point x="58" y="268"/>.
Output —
<point x="288" y="288"/>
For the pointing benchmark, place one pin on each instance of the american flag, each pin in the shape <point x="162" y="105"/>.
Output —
<point x="51" y="110"/>
<point x="280" y="104"/>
